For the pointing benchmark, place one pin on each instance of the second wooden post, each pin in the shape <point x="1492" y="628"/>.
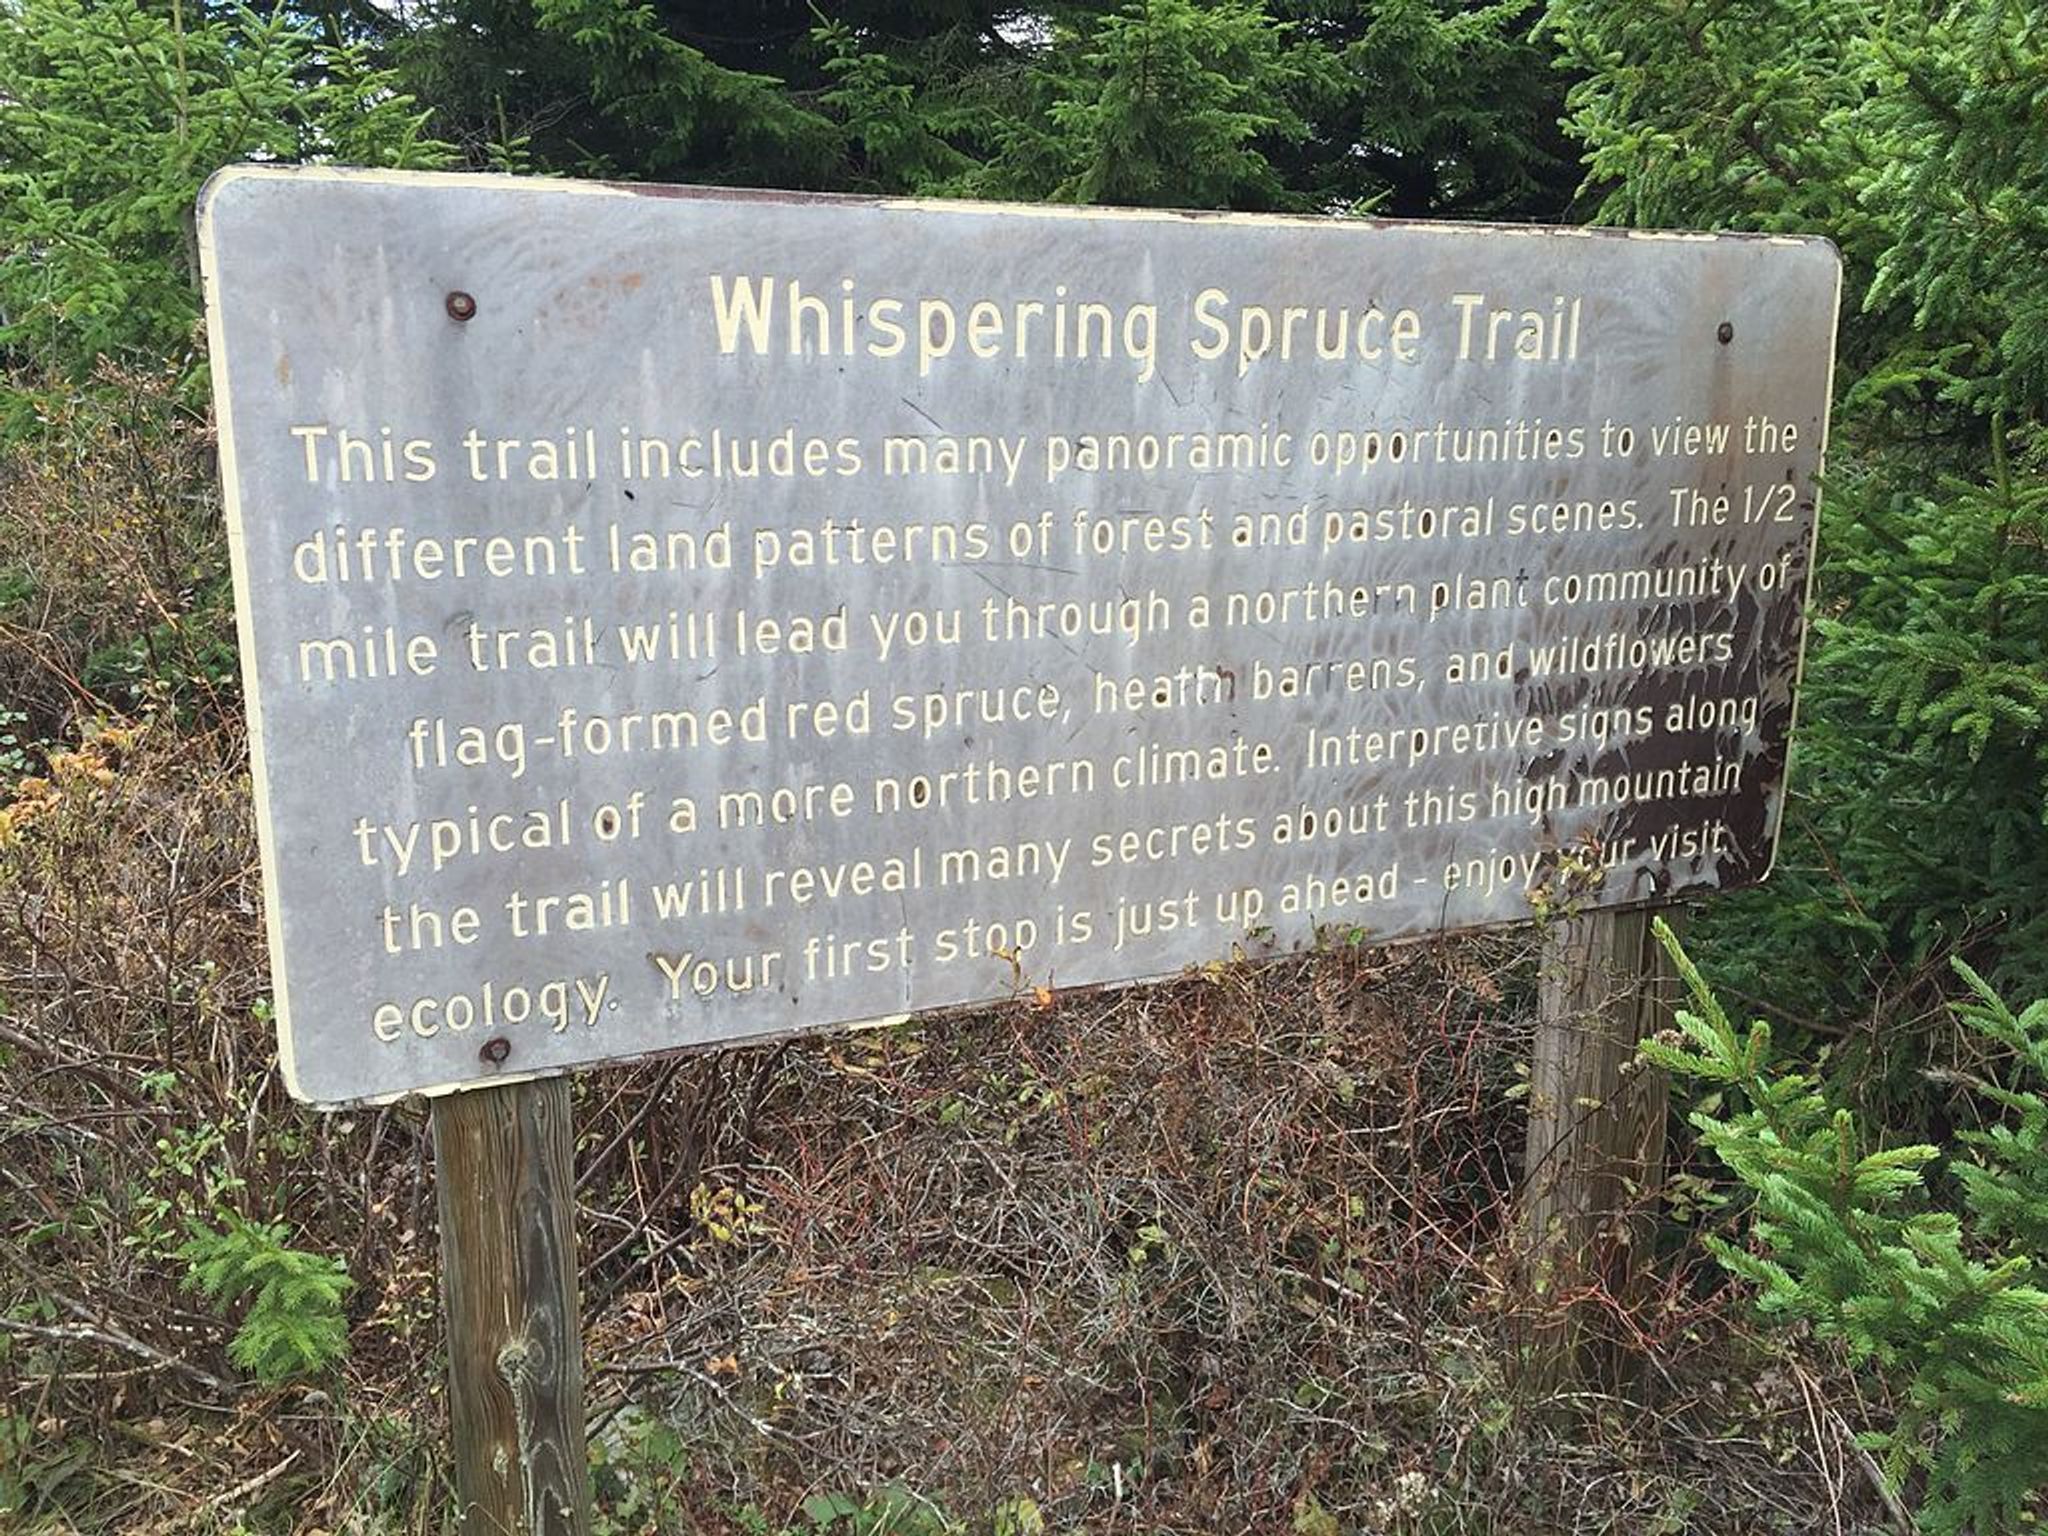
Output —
<point x="1595" y="1159"/>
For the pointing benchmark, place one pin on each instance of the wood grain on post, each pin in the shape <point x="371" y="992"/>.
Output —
<point x="505" y="1164"/>
<point x="1595" y="1158"/>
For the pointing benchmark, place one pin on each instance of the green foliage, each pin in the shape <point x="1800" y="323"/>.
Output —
<point x="36" y="1467"/>
<point x="893" y="1511"/>
<point x="1915" y="139"/>
<point x="112" y="112"/>
<point x="670" y="98"/>
<point x="185" y="1210"/>
<point x="14" y="747"/>
<point x="1854" y="1237"/>
<point x="895" y="137"/>
<point x="1418" y="107"/>
<point x="1163" y="102"/>
<point x="636" y="1465"/>
<point x="1927" y="701"/>
<point x="294" y="1324"/>
<point x="1713" y="113"/>
<point x="1428" y="109"/>
<point x="1955" y="113"/>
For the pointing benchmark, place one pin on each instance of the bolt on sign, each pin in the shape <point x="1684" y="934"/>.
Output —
<point x="674" y="616"/>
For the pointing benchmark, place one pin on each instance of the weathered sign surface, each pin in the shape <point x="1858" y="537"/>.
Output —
<point x="673" y="616"/>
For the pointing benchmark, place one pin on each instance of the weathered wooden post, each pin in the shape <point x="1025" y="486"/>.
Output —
<point x="504" y="1162"/>
<point x="1596" y="1133"/>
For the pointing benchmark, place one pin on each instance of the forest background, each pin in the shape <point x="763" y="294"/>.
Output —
<point x="1233" y="1254"/>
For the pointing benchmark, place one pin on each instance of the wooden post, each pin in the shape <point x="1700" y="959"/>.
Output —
<point x="505" y="1165"/>
<point x="1596" y="1134"/>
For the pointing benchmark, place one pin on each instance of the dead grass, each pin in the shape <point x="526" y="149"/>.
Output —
<point x="1217" y="1256"/>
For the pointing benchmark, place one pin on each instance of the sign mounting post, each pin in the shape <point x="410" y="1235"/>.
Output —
<point x="504" y="1166"/>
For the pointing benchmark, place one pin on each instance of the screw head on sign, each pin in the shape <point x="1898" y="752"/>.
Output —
<point x="495" y="1051"/>
<point x="461" y="306"/>
<point x="1726" y="332"/>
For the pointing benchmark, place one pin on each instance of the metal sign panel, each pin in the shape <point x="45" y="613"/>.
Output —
<point x="674" y="616"/>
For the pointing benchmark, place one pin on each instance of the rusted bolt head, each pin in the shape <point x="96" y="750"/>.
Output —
<point x="1726" y="332"/>
<point x="461" y="306"/>
<point x="496" y="1050"/>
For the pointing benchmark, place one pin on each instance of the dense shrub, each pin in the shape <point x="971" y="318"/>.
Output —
<point x="1918" y="1259"/>
<point x="112" y="112"/>
<point x="1920" y="773"/>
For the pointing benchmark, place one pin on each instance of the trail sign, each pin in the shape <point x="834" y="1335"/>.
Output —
<point x="674" y="616"/>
